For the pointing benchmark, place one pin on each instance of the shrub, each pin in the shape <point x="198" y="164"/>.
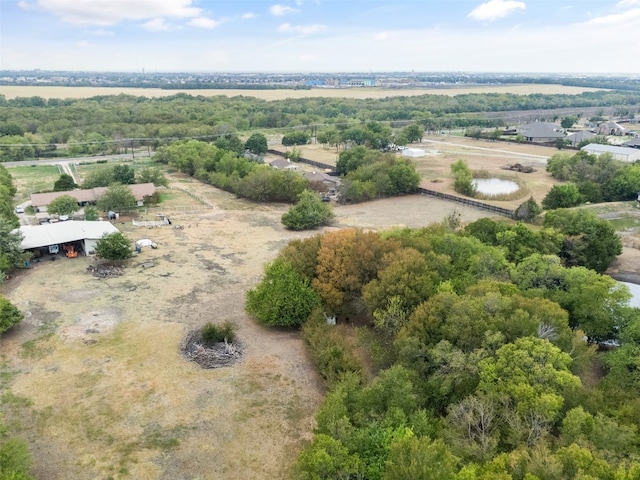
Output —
<point x="562" y="196"/>
<point x="310" y="212"/>
<point x="114" y="246"/>
<point x="9" y="315"/>
<point x="283" y="298"/>
<point x="212" y="333"/>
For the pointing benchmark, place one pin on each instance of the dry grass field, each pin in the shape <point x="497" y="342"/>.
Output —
<point x="93" y="377"/>
<point x="10" y="91"/>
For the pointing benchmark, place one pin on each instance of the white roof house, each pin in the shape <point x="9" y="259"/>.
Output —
<point x="413" y="152"/>
<point x="624" y="154"/>
<point x="87" y="233"/>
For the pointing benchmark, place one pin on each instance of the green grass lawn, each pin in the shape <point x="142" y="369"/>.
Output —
<point x="29" y="179"/>
<point x="88" y="168"/>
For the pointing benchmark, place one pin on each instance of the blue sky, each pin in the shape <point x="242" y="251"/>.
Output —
<point x="570" y="36"/>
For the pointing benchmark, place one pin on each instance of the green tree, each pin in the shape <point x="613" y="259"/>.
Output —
<point x="63" y="205"/>
<point x="326" y="459"/>
<point x="99" y="178"/>
<point x="9" y="315"/>
<point x="123" y="174"/>
<point x="91" y="213"/>
<point x="257" y="144"/>
<point x="413" y="132"/>
<point x="114" y="246"/>
<point x="11" y="253"/>
<point x="117" y="198"/>
<point x="463" y="179"/>
<point x="562" y="196"/>
<point x="152" y="175"/>
<point x="420" y="459"/>
<point x="64" y="183"/>
<point x="295" y="138"/>
<point x="589" y="241"/>
<point x="568" y="121"/>
<point x="310" y="212"/>
<point x="283" y="298"/>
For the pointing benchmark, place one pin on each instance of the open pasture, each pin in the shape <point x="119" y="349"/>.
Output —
<point x="13" y="91"/>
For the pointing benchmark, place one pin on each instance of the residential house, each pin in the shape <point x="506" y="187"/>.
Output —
<point x="541" y="132"/>
<point x="577" y="137"/>
<point x="140" y="191"/>
<point x="610" y="128"/>
<point x="283" y="164"/>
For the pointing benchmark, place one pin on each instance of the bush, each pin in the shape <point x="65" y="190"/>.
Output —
<point x="463" y="179"/>
<point x="212" y="333"/>
<point x="9" y="315"/>
<point x="114" y="246"/>
<point x="310" y="212"/>
<point x="562" y="196"/>
<point x="332" y="354"/>
<point x="283" y="298"/>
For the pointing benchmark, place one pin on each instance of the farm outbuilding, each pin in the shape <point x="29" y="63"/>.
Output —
<point x="83" y="236"/>
<point x="624" y="154"/>
<point x="413" y="152"/>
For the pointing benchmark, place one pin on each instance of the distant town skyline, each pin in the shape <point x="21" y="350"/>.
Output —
<point x="570" y="36"/>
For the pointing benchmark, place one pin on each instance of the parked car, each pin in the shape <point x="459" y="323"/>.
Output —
<point x="19" y="209"/>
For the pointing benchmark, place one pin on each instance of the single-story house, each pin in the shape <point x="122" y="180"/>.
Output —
<point x="413" y="152"/>
<point x="541" y="132"/>
<point x="624" y="154"/>
<point x="328" y="180"/>
<point x="140" y="191"/>
<point x="283" y="164"/>
<point x="611" y="128"/>
<point x="575" y="138"/>
<point x="83" y="236"/>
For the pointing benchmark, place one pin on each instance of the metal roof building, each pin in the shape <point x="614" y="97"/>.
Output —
<point x="624" y="154"/>
<point x="85" y="234"/>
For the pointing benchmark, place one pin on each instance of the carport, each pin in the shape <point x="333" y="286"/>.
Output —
<point x="83" y="236"/>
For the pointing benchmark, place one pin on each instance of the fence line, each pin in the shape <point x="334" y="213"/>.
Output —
<point x="466" y="201"/>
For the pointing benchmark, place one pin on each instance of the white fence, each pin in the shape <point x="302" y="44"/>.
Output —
<point x="150" y="223"/>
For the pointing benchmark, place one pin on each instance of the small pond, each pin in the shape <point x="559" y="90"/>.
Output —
<point x="635" y="292"/>
<point x="495" y="186"/>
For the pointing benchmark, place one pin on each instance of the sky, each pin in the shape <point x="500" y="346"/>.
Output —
<point x="306" y="36"/>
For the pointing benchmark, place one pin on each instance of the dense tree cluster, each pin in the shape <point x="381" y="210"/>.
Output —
<point x="226" y="170"/>
<point x="368" y="174"/>
<point x="114" y="124"/>
<point x="593" y="179"/>
<point x="478" y="364"/>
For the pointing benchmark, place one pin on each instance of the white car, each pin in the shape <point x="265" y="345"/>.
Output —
<point x="19" y="209"/>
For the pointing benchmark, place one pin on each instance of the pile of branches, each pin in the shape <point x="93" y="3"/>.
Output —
<point x="220" y="354"/>
<point x="105" y="271"/>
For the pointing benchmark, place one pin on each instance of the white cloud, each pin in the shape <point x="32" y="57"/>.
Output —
<point x="83" y="44"/>
<point x="203" y="22"/>
<point x="157" y="25"/>
<point x="248" y="15"/>
<point x="104" y="13"/>
<point x="301" y="29"/>
<point x="494" y="9"/>
<point x="629" y="17"/>
<point x="628" y="3"/>
<point x="278" y="10"/>
<point x="100" y="32"/>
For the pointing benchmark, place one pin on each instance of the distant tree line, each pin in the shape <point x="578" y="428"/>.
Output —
<point x="34" y="126"/>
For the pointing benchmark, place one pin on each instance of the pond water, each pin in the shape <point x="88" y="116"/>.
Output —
<point x="495" y="186"/>
<point x="635" y="292"/>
